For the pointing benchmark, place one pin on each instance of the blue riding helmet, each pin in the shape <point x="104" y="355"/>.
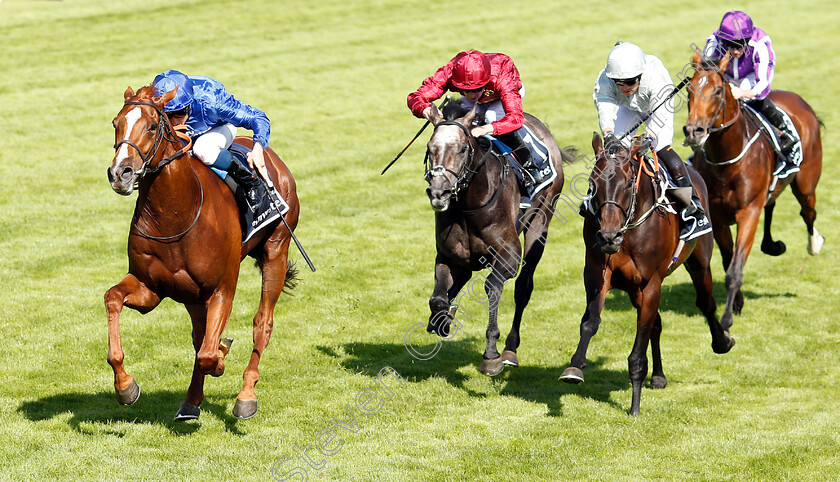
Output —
<point x="169" y="80"/>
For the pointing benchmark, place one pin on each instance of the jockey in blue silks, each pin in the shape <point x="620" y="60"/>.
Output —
<point x="750" y="72"/>
<point x="212" y="116"/>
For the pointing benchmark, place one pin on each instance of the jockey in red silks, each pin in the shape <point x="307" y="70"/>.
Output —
<point x="212" y="116"/>
<point x="750" y="73"/>
<point x="491" y="81"/>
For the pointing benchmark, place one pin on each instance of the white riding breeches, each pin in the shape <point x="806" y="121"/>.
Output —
<point x="207" y="146"/>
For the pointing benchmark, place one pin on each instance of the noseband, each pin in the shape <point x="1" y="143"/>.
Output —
<point x="164" y="132"/>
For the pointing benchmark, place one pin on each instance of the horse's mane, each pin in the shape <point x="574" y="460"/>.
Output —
<point x="457" y="109"/>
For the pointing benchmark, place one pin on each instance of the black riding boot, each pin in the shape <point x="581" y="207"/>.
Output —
<point x="785" y="167"/>
<point x="684" y="194"/>
<point x="253" y="187"/>
<point x="532" y="175"/>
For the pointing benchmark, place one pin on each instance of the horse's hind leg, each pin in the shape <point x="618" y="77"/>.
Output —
<point x="195" y="393"/>
<point x="768" y="246"/>
<point x="274" y="264"/>
<point x="522" y="294"/>
<point x="803" y="187"/>
<point x="698" y="268"/>
<point x="505" y="265"/>
<point x="134" y="294"/>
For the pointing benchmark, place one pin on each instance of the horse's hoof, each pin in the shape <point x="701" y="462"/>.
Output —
<point x="187" y="411"/>
<point x="728" y="344"/>
<point x="130" y="394"/>
<point x="572" y="375"/>
<point x="658" y="381"/>
<point x="510" y="359"/>
<point x="815" y="243"/>
<point x="492" y="367"/>
<point x="773" y="248"/>
<point x="244" y="409"/>
<point x="224" y="345"/>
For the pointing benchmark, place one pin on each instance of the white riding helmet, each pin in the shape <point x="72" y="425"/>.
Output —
<point x="625" y="61"/>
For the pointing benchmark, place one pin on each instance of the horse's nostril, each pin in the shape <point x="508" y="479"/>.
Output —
<point x="127" y="174"/>
<point x="110" y="175"/>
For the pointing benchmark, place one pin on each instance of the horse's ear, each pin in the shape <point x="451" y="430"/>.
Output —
<point x="724" y="62"/>
<point x="162" y="99"/>
<point x="597" y="143"/>
<point x="129" y="93"/>
<point x="697" y="60"/>
<point x="435" y="117"/>
<point x="470" y="117"/>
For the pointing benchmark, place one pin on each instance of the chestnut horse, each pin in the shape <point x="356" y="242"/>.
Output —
<point x="477" y="223"/>
<point x="185" y="243"/>
<point x="738" y="171"/>
<point x="630" y="240"/>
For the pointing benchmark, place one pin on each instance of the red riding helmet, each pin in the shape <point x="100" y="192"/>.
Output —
<point x="471" y="70"/>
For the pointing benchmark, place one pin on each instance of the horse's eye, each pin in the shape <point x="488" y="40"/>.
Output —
<point x="153" y="126"/>
<point x="718" y="90"/>
<point x="463" y="149"/>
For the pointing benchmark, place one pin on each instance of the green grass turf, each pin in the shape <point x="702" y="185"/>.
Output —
<point x="333" y="76"/>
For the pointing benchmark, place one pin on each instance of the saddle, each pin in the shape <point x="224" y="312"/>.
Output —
<point x="541" y="157"/>
<point x="252" y="222"/>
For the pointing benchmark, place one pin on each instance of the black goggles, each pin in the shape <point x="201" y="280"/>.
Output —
<point x="734" y="44"/>
<point x="628" y="82"/>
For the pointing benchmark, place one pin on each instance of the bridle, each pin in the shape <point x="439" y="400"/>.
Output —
<point x="721" y="110"/>
<point x="463" y="178"/>
<point x="163" y="132"/>
<point x="629" y="214"/>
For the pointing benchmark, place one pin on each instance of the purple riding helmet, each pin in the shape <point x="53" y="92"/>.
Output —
<point x="736" y="26"/>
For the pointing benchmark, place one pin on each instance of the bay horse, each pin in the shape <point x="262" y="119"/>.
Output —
<point x="630" y="240"/>
<point x="477" y="225"/>
<point x="737" y="164"/>
<point x="185" y="243"/>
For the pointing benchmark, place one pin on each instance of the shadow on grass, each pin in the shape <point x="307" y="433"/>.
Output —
<point x="680" y="298"/>
<point x="102" y="408"/>
<point x="534" y="384"/>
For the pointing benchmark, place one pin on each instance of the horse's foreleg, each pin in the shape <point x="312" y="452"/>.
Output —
<point x="723" y="236"/>
<point x="274" y="270"/>
<point x="657" y="376"/>
<point x="747" y="221"/>
<point x="698" y="268"/>
<point x="134" y="294"/>
<point x="504" y="268"/>
<point x="596" y="282"/>
<point x="768" y="246"/>
<point x="445" y="276"/>
<point x="647" y="304"/>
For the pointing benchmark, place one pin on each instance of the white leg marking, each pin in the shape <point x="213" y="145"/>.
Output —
<point x="815" y="242"/>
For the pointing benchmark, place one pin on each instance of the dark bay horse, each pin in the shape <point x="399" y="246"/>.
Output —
<point x="738" y="171"/>
<point x="630" y="240"/>
<point x="475" y="195"/>
<point x="185" y="243"/>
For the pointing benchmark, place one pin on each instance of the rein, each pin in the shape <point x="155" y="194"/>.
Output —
<point x="467" y="173"/>
<point x="165" y="131"/>
<point x="629" y="215"/>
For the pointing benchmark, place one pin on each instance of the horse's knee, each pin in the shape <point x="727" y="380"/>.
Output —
<point x="114" y="299"/>
<point x="207" y="362"/>
<point x="637" y="366"/>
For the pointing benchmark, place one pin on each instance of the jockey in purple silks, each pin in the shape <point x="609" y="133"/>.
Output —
<point x="750" y="72"/>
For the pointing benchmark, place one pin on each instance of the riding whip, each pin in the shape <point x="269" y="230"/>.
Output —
<point x="280" y="202"/>
<point x="415" y="138"/>
<point x="666" y="99"/>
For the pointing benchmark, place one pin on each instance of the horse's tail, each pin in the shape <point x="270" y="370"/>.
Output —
<point x="291" y="278"/>
<point x="568" y="154"/>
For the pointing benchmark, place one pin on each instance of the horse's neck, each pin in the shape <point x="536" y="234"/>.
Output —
<point x="172" y="192"/>
<point x="728" y="143"/>
<point x="484" y="183"/>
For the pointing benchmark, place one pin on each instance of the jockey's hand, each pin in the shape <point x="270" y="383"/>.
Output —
<point x="479" y="131"/>
<point x="739" y="93"/>
<point x="427" y="113"/>
<point x="257" y="161"/>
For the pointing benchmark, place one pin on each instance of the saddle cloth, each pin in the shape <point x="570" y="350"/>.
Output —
<point x="795" y="155"/>
<point x="253" y="222"/>
<point x="541" y="157"/>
